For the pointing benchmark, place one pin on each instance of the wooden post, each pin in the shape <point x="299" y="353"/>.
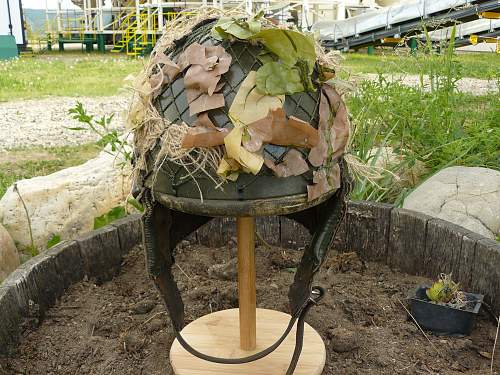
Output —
<point x="246" y="282"/>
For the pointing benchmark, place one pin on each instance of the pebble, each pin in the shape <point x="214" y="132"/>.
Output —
<point x="143" y="307"/>
<point x="474" y="86"/>
<point x="44" y="122"/>
<point x="343" y="340"/>
<point x="225" y="271"/>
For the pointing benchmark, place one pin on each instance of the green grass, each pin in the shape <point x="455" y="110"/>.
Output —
<point x="68" y="74"/>
<point x="428" y="131"/>
<point x="477" y="65"/>
<point x="24" y="163"/>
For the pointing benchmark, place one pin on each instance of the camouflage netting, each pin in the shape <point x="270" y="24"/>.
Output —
<point x="228" y="99"/>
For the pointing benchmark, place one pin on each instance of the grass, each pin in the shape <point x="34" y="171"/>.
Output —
<point x="69" y="74"/>
<point x="476" y="65"/>
<point x="25" y="163"/>
<point x="427" y="130"/>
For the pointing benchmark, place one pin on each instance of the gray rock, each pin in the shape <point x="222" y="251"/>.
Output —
<point x="466" y="196"/>
<point x="66" y="202"/>
<point x="9" y="257"/>
<point x="225" y="271"/>
<point x="343" y="340"/>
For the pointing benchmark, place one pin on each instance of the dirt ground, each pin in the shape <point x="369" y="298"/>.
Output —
<point x="120" y="327"/>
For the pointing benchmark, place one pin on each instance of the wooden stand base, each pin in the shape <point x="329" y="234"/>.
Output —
<point x="218" y="334"/>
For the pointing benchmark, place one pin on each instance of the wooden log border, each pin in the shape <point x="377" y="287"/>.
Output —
<point x="405" y="240"/>
<point x="36" y="285"/>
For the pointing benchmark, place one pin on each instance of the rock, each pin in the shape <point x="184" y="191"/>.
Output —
<point x="225" y="271"/>
<point x="466" y="196"/>
<point x="143" y="307"/>
<point x="283" y="259"/>
<point x="343" y="340"/>
<point x="66" y="202"/>
<point x="9" y="257"/>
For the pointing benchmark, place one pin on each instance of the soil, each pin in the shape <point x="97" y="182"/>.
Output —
<point x="120" y="327"/>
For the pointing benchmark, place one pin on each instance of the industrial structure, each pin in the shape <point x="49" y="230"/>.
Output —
<point x="133" y="26"/>
<point x="12" y="33"/>
<point x="397" y="23"/>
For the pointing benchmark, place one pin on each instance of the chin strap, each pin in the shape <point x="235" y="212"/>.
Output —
<point x="161" y="229"/>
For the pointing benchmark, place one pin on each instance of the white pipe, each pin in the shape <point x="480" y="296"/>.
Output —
<point x="59" y="24"/>
<point x="101" y="15"/>
<point x="160" y="15"/>
<point x="341" y="10"/>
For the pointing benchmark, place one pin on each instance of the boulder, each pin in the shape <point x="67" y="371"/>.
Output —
<point x="9" y="257"/>
<point x="467" y="196"/>
<point x="66" y="202"/>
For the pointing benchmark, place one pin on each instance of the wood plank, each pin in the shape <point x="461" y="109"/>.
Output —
<point x="269" y="228"/>
<point x="68" y="262"/>
<point x="10" y="318"/>
<point x="464" y="269"/>
<point x="37" y="281"/>
<point x="247" y="295"/>
<point x="407" y="240"/>
<point x="293" y="234"/>
<point x="101" y="253"/>
<point x="217" y="334"/>
<point x="443" y="248"/>
<point x="486" y="274"/>
<point x="129" y="232"/>
<point x="368" y="226"/>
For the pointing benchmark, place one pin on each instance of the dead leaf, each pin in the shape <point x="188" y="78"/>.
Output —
<point x="320" y="186"/>
<point x="484" y="354"/>
<point x="277" y="130"/>
<point x="199" y="79"/>
<point x="206" y="65"/>
<point x="251" y="162"/>
<point x="199" y="102"/>
<point x="339" y="133"/>
<point x="293" y="165"/>
<point x="249" y="105"/>
<point x="204" y="121"/>
<point x="334" y="176"/>
<point x="204" y="137"/>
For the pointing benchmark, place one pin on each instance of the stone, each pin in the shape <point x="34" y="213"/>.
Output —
<point x="66" y="202"/>
<point x="143" y="307"/>
<point x="9" y="257"/>
<point x="343" y="340"/>
<point x="466" y="196"/>
<point x="225" y="271"/>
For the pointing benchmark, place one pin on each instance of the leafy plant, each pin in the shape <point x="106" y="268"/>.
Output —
<point x="113" y="215"/>
<point x="53" y="241"/>
<point x="426" y="127"/>
<point x="101" y="127"/>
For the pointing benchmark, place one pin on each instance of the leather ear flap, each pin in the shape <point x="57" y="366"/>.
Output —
<point x="323" y="221"/>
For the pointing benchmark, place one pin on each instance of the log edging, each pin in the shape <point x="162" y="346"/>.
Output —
<point x="36" y="285"/>
<point x="406" y="240"/>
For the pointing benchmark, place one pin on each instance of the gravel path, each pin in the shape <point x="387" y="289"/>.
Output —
<point x="43" y="122"/>
<point x="473" y="86"/>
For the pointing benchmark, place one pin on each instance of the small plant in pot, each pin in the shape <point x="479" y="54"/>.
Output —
<point x="444" y="309"/>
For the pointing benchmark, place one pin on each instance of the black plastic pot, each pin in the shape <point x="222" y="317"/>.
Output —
<point x="442" y="319"/>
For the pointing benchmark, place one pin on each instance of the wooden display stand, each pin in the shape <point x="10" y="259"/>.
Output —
<point x="233" y="333"/>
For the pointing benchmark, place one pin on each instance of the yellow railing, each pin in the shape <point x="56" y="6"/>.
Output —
<point x="139" y="33"/>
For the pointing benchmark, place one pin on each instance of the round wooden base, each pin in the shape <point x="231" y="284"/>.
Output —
<point x="218" y="335"/>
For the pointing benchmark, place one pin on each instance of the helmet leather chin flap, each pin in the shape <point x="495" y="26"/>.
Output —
<point x="241" y="129"/>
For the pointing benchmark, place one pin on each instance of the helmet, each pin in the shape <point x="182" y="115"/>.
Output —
<point x="243" y="121"/>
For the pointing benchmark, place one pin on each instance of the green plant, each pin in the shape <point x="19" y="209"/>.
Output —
<point x="427" y="127"/>
<point x="101" y="127"/>
<point x="53" y="241"/>
<point x="113" y="214"/>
